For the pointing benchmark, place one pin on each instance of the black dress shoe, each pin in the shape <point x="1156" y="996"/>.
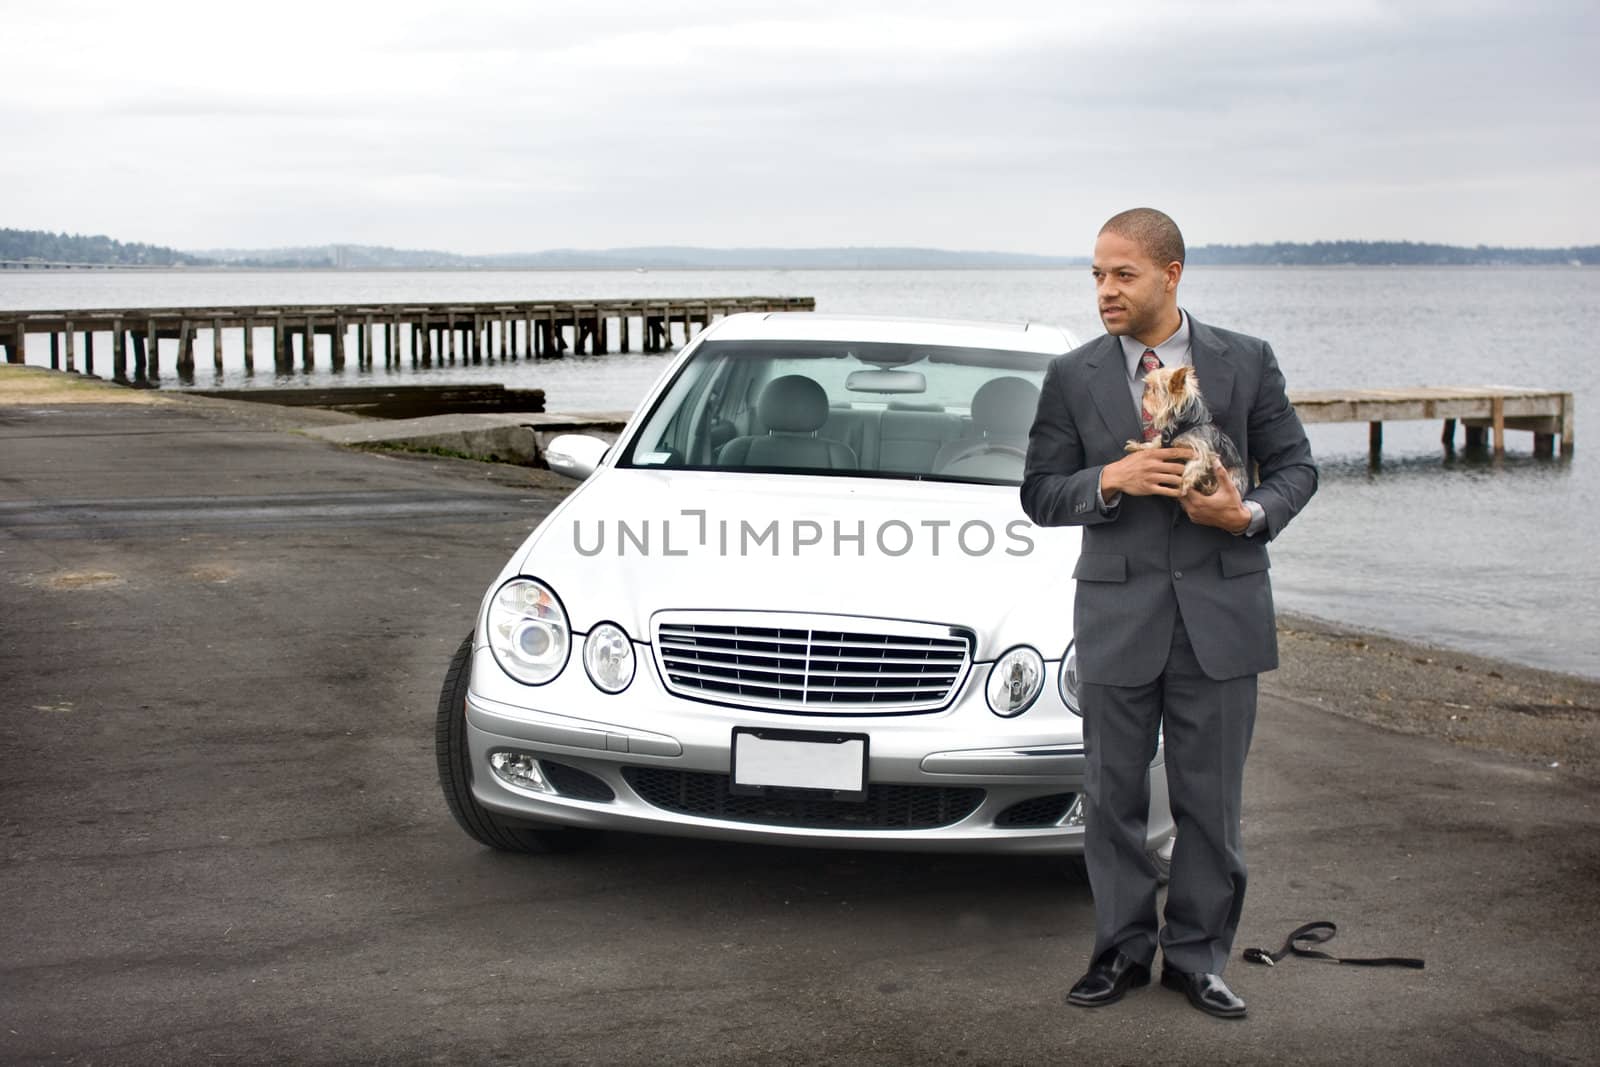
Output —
<point x="1108" y="979"/>
<point x="1205" y="991"/>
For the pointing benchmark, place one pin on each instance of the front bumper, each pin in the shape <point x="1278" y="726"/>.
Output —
<point x="648" y="761"/>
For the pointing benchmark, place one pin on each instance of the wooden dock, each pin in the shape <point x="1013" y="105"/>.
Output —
<point x="426" y="333"/>
<point x="1483" y="409"/>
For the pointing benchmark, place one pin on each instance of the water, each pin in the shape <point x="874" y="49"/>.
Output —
<point x="1480" y="555"/>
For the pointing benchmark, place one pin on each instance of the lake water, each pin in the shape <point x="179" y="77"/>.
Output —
<point x="1475" y="554"/>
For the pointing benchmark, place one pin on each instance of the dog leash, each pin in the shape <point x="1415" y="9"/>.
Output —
<point x="1320" y="933"/>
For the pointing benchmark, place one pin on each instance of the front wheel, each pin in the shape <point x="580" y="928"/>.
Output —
<point x="455" y="775"/>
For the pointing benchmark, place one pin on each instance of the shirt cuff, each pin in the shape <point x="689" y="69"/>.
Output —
<point x="1100" y="498"/>
<point x="1258" y="519"/>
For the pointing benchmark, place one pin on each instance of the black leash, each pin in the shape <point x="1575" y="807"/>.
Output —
<point x="1318" y="934"/>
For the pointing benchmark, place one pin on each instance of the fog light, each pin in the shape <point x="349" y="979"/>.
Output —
<point x="520" y="770"/>
<point x="1074" y="815"/>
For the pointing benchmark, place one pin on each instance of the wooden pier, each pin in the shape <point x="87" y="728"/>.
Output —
<point x="1483" y="409"/>
<point x="427" y="334"/>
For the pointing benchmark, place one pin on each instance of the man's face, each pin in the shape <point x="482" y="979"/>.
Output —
<point x="1135" y="294"/>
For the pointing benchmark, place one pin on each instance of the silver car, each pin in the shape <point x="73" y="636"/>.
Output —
<point x="796" y="602"/>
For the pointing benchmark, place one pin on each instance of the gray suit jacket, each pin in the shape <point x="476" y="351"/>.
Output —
<point x="1145" y="561"/>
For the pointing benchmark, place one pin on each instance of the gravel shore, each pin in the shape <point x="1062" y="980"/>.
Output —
<point x="1540" y="716"/>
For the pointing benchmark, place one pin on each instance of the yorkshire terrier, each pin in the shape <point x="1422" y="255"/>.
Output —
<point x="1179" y="413"/>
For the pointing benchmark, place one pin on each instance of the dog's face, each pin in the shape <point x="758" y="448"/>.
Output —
<point x="1172" y="394"/>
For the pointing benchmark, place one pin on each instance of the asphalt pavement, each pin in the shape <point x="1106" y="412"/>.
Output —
<point x="221" y="839"/>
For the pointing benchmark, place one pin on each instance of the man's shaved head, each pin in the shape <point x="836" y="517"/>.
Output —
<point x="1153" y="231"/>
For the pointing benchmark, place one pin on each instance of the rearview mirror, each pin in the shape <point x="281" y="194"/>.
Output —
<point x="886" y="381"/>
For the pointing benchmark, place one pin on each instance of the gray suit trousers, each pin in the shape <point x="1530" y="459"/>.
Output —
<point x="1207" y="726"/>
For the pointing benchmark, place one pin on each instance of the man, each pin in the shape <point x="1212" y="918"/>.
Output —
<point x="1173" y="611"/>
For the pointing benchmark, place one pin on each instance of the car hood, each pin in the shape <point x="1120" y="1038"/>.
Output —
<point x="630" y="542"/>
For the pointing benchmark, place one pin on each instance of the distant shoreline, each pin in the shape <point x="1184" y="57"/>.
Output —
<point x="876" y="269"/>
<point x="20" y="248"/>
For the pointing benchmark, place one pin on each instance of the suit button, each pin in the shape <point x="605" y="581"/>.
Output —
<point x="1177" y="575"/>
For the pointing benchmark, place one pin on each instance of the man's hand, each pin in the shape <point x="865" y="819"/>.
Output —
<point x="1223" y="509"/>
<point x="1147" y="472"/>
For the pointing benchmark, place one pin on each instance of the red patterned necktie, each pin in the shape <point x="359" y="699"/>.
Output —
<point x="1147" y="363"/>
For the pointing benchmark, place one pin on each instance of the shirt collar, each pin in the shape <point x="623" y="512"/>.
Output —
<point x="1171" y="352"/>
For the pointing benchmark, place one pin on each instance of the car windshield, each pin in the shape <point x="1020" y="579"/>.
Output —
<point x="848" y="409"/>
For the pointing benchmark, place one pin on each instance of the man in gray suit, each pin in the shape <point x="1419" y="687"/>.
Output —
<point x="1173" y="613"/>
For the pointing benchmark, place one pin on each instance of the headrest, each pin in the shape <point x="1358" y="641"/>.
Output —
<point x="1005" y="406"/>
<point x="793" y="404"/>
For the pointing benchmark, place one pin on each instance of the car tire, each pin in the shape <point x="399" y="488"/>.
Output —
<point x="455" y="776"/>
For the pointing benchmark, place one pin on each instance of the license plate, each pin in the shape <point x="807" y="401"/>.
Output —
<point x="799" y="759"/>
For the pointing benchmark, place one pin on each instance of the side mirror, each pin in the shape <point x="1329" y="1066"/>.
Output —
<point x="575" y="455"/>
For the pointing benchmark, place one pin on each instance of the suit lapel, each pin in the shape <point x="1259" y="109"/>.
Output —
<point x="1214" y="370"/>
<point x="1108" y="385"/>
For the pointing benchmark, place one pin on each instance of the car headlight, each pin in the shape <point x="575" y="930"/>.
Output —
<point x="608" y="657"/>
<point x="1071" y="685"/>
<point x="1015" y="681"/>
<point x="528" y="631"/>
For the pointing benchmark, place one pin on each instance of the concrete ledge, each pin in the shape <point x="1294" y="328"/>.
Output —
<point x="507" y="438"/>
<point x="395" y="401"/>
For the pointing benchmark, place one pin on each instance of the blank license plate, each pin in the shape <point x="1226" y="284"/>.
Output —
<point x="800" y="759"/>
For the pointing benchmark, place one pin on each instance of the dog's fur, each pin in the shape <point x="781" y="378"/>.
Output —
<point x="1179" y="413"/>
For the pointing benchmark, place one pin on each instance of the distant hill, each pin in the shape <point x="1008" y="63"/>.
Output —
<point x="65" y="248"/>
<point x="359" y="257"/>
<point x="75" y="248"/>
<point x="341" y="257"/>
<point x="669" y="257"/>
<point x="1385" y="254"/>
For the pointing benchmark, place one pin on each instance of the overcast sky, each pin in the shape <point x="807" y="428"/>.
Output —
<point x="495" y="127"/>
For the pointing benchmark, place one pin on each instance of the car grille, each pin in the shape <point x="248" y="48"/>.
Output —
<point x="823" y="664"/>
<point x="887" y="807"/>
<point x="1040" y="811"/>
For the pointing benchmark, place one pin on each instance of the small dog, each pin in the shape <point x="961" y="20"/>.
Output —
<point x="1179" y="413"/>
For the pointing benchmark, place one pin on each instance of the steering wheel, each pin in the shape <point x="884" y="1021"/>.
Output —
<point x="982" y="448"/>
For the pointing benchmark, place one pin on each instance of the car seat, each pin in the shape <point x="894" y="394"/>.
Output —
<point x="1002" y="413"/>
<point x="792" y="408"/>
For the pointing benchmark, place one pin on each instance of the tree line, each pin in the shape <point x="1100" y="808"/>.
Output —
<point x="1387" y="253"/>
<point x="100" y="249"/>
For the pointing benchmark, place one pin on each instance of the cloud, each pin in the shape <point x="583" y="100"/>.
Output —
<point x="502" y="126"/>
